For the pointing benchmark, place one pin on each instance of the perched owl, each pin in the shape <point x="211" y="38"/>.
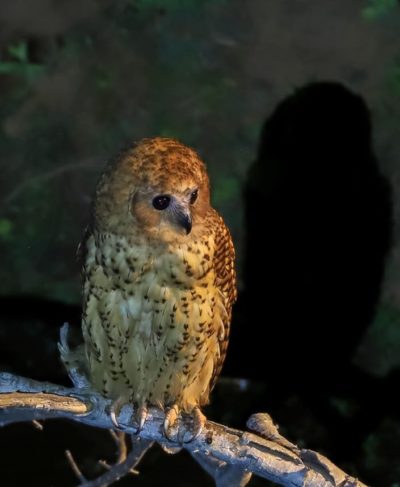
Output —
<point x="159" y="282"/>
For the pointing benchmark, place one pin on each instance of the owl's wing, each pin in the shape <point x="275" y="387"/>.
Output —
<point x="224" y="260"/>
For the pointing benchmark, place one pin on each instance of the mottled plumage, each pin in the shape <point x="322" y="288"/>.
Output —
<point x="159" y="284"/>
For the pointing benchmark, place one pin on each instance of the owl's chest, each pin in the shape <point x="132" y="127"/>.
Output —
<point x="115" y="262"/>
<point x="166" y="303"/>
<point x="152" y="289"/>
<point x="155" y="315"/>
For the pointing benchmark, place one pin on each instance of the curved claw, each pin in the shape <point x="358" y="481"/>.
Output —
<point x="113" y="418"/>
<point x="199" y="420"/>
<point x="115" y="410"/>
<point x="170" y="420"/>
<point x="141" y="416"/>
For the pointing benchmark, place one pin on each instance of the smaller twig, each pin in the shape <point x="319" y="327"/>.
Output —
<point x="120" y="441"/>
<point x="114" y="436"/>
<point x="37" y="425"/>
<point x="104" y="464"/>
<point x="121" y="444"/>
<point x="74" y="466"/>
<point x="107" y="466"/>
<point x="119" y="470"/>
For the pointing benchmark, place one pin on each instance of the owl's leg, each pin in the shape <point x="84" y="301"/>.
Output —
<point x="198" y="421"/>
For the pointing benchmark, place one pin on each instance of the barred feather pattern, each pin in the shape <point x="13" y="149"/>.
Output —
<point x="156" y="303"/>
<point x="156" y="323"/>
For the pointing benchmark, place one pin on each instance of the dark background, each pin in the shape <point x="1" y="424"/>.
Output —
<point x="295" y="108"/>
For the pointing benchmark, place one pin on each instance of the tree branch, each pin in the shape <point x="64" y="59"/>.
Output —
<point x="225" y="453"/>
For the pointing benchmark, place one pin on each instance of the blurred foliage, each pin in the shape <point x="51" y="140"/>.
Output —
<point x="393" y="79"/>
<point x="225" y="189"/>
<point x="381" y="451"/>
<point x="168" y="4"/>
<point x="19" y="63"/>
<point x="5" y="229"/>
<point x="379" y="8"/>
<point x="70" y="104"/>
<point x="379" y="352"/>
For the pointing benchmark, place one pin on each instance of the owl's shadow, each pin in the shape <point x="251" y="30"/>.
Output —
<point x="319" y="226"/>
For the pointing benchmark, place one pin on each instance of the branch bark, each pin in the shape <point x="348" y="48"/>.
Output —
<point x="230" y="456"/>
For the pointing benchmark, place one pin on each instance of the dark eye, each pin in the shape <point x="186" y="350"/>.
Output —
<point x="193" y="196"/>
<point x="161" y="202"/>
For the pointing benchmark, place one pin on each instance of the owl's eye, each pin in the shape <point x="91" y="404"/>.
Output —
<point x="161" y="202"/>
<point x="193" y="196"/>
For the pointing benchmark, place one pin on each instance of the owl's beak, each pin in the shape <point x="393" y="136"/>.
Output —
<point x="184" y="219"/>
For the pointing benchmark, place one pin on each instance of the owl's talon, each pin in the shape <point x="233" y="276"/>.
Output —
<point x="114" y="419"/>
<point x="115" y="410"/>
<point x="199" y="420"/>
<point x="170" y="421"/>
<point x="141" y="416"/>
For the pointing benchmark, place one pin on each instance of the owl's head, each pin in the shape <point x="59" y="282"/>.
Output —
<point x="158" y="187"/>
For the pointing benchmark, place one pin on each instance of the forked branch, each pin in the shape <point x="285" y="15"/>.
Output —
<point x="230" y="456"/>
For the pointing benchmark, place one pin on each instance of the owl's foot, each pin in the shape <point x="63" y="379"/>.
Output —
<point x="141" y="416"/>
<point x="198" y="421"/>
<point x="115" y="410"/>
<point x="170" y="421"/>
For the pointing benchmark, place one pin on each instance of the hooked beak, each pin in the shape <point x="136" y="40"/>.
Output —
<point x="184" y="220"/>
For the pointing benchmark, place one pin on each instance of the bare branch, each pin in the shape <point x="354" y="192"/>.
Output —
<point x="119" y="470"/>
<point x="37" y="425"/>
<point x="74" y="466"/>
<point x="120" y="441"/>
<point x="122" y="450"/>
<point x="221" y="450"/>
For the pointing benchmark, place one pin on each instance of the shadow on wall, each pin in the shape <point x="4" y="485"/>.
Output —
<point x="319" y="225"/>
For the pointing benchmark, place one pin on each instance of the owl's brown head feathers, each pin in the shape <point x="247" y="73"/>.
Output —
<point x="158" y="185"/>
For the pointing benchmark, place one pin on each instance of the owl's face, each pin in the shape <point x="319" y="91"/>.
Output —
<point x="170" y="211"/>
<point x="163" y="191"/>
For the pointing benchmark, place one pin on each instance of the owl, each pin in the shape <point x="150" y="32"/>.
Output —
<point x="158" y="283"/>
